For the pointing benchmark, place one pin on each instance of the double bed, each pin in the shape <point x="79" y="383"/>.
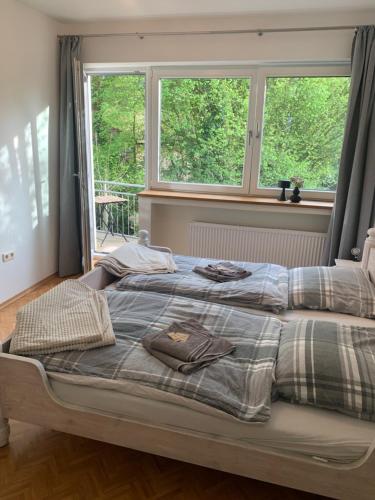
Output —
<point x="302" y="447"/>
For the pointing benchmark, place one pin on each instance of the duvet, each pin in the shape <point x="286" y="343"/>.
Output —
<point x="266" y="288"/>
<point x="319" y="363"/>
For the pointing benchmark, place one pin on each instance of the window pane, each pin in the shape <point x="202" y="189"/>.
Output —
<point x="203" y="130"/>
<point x="118" y="127"/>
<point x="304" y="119"/>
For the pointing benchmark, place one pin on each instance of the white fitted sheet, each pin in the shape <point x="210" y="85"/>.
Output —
<point x="322" y="434"/>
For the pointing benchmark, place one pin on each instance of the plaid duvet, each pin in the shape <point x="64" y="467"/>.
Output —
<point x="338" y="289"/>
<point x="266" y="288"/>
<point x="329" y="365"/>
<point x="239" y="384"/>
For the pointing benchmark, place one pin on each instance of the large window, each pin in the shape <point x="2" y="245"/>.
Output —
<point x="245" y="130"/>
<point x="203" y="130"/>
<point x="230" y="129"/>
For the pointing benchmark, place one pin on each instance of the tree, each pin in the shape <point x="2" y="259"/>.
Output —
<point x="203" y="129"/>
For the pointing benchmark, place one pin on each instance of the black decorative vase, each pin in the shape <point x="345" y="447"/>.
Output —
<point x="295" y="198"/>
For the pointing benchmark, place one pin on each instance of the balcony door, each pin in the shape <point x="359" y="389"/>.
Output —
<point x="116" y="133"/>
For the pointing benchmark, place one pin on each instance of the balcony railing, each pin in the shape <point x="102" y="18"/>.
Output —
<point x="123" y="217"/>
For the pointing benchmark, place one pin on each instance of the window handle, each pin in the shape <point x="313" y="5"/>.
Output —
<point x="258" y="132"/>
<point x="250" y="136"/>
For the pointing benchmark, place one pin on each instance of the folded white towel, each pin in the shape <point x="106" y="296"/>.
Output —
<point x="141" y="258"/>
<point x="132" y="258"/>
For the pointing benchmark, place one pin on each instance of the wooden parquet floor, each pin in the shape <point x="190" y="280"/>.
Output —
<point x="41" y="464"/>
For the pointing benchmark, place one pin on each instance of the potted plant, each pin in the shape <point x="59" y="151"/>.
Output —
<point x="297" y="183"/>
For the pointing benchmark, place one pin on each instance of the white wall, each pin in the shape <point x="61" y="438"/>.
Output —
<point x="324" y="45"/>
<point x="28" y="146"/>
<point x="170" y="223"/>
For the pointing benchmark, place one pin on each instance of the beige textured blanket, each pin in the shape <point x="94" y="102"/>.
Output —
<point x="71" y="316"/>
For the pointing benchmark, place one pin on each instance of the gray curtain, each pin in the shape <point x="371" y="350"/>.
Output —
<point x="70" y="240"/>
<point x="353" y="211"/>
<point x="82" y="166"/>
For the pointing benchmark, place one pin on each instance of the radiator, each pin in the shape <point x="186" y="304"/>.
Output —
<point x="284" y="247"/>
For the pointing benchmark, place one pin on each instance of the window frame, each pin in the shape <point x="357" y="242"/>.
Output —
<point x="257" y="72"/>
<point x="158" y="74"/>
<point x="297" y="71"/>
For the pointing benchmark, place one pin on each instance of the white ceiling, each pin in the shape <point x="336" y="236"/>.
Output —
<point x="94" y="10"/>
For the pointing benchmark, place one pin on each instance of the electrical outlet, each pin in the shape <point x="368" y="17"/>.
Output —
<point x="8" y="256"/>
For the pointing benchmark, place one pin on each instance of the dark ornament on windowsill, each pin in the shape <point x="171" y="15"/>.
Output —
<point x="298" y="183"/>
<point x="283" y="185"/>
<point x="295" y="198"/>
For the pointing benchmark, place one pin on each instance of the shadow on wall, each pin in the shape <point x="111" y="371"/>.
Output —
<point x="26" y="189"/>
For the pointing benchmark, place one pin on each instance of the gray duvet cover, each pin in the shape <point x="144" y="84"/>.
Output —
<point x="266" y="288"/>
<point x="239" y="384"/>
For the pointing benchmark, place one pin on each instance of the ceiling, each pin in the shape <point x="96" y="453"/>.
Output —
<point x="95" y="10"/>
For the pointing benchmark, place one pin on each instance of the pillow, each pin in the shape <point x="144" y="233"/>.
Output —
<point x="328" y="365"/>
<point x="337" y="289"/>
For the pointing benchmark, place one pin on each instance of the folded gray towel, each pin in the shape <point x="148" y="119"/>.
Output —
<point x="186" y="346"/>
<point x="222" y="272"/>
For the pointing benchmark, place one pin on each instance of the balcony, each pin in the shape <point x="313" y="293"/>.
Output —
<point x="116" y="214"/>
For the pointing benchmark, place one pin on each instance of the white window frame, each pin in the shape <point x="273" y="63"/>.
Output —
<point x="263" y="73"/>
<point x="195" y="72"/>
<point x="257" y="72"/>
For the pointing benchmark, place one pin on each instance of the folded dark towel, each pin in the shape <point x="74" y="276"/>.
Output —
<point x="186" y="346"/>
<point x="222" y="272"/>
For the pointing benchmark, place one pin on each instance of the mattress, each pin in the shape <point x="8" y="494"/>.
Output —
<point x="323" y="435"/>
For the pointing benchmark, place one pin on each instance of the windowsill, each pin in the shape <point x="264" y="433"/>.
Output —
<point x="246" y="200"/>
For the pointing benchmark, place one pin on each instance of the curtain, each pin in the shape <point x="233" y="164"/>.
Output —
<point x="82" y="166"/>
<point x="72" y="160"/>
<point x="353" y="211"/>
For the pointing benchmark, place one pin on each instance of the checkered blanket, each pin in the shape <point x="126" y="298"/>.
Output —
<point x="329" y="365"/>
<point x="70" y="316"/>
<point x="337" y="289"/>
<point x="266" y="288"/>
<point x="239" y="384"/>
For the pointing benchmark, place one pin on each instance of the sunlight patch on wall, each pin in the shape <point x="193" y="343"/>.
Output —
<point x="30" y="175"/>
<point x="42" y="127"/>
<point x="5" y="178"/>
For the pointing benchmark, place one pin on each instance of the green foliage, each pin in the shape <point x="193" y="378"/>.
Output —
<point x="304" y="121"/>
<point x="203" y="129"/>
<point x="118" y="116"/>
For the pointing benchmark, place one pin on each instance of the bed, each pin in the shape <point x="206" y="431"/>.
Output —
<point x="300" y="447"/>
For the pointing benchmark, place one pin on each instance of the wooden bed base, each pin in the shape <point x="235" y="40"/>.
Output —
<point x="26" y="395"/>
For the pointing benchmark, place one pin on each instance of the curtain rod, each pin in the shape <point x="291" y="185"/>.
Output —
<point x="259" y="32"/>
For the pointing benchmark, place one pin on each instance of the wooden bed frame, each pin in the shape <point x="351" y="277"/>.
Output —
<point x="26" y="395"/>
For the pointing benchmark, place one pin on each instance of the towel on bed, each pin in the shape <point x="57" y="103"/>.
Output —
<point x="222" y="272"/>
<point x="132" y="258"/>
<point x="186" y="346"/>
<point x="71" y="316"/>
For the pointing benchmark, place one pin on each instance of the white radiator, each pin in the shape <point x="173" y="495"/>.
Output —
<point x="287" y="248"/>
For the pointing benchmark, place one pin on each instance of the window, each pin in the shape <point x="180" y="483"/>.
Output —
<point x="230" y="129"/>
<point x="241" y="131"/>
<point x="303" y="128"/>
<point x="203" y="130"/>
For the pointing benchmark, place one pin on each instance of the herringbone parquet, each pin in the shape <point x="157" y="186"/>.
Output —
<point x="41" y="464"/>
